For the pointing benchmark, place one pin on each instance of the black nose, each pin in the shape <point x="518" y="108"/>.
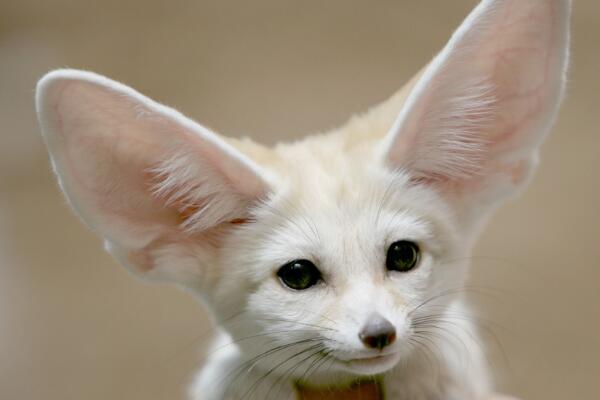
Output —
<point x="378" y="332"/>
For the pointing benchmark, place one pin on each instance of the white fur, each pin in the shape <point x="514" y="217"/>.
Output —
<point x="218" y="216"/>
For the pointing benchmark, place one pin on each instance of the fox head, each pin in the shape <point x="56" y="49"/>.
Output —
<point x="335" y="241"/>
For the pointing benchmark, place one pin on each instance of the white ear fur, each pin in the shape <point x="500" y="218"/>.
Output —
<point x="154" y="184"/>
<point x="474" y="120"/>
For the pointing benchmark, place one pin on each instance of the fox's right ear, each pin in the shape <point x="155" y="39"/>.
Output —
<point x="158" y="187"/>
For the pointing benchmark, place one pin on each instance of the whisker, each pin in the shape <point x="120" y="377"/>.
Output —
<point x="248" y="365"/>
<point x="258" y="335"/>
<point x="257" y="383"/>
<point x="318" y="365"/>
<point x="272" y="319"/>
<point x="449" y="292"/>
<point x="290" y="371"/>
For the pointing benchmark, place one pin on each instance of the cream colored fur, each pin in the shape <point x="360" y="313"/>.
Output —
<point x="176" y="202"/>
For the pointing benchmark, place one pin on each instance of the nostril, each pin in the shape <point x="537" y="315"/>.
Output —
<point x="378" y="333"/>
<point x="378" y="341"/>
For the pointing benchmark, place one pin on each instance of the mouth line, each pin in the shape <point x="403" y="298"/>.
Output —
<point x="369" y="361"/>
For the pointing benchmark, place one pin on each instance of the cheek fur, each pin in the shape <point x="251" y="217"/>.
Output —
<point x="301" y="313"/>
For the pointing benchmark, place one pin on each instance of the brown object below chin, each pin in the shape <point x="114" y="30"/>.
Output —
<point x="360" y="390"/>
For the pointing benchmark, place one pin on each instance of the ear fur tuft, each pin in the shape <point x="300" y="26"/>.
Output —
<point x="449" y="143"/>
<point x="194" y="188"/>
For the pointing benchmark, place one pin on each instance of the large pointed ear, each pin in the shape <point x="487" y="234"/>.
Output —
<point x="158" y="187"/>
<point x="473" y="122"/>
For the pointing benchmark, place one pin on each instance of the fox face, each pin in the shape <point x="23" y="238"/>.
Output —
<point x="339" y="257"/>
<point x="338" y="250"/>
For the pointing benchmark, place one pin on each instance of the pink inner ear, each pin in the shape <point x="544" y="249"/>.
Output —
<point x="159" y="188"/>
<point x="110" y="146"/>
<point x="522" y="58"/>
<point x="106" y="164"/>
<point x="488" y="99"/>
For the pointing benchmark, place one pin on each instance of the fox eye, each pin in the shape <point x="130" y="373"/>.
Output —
<point x="299" y="274"/>
<point x="402" y="256"/>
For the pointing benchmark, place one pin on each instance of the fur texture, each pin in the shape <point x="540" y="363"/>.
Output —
<point x="176" y="202"/>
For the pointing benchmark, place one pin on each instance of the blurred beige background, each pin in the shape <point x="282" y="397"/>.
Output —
<point x="74" y="325"/>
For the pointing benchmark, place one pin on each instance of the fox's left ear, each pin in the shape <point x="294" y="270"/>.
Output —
<point x="475" y="118"/>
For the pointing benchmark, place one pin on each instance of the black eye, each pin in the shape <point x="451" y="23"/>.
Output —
<point x="402" y="256"/>
<point x="299" y="274"/>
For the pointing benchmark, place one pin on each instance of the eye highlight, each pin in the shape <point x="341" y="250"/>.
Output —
<point x="299" y="274"/>
<point x="402" y="256"/>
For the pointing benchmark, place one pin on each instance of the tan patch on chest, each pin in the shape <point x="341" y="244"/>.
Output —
<point x="363" y="390"/>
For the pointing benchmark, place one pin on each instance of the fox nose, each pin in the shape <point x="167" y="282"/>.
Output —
<point x="377" y="333"/>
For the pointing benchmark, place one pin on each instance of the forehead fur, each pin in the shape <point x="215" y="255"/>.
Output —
<point x="343" y="208"/>
<point x="332" y="190"/>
